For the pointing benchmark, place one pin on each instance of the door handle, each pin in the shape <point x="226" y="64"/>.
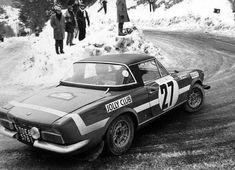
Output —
<point x="152" y="90"/>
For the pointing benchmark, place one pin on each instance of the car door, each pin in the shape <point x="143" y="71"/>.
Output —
<point x="161" y="86"/>
<point x="168" y="93"/>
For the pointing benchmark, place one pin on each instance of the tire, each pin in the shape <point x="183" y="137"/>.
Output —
<point x="195" y="99"/>
<point x="120" y="135"/>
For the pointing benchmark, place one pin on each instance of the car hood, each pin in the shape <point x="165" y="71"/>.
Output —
<point x="52" y="104"/>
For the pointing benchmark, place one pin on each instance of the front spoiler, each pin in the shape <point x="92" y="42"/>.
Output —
<point x="49" y="146"/>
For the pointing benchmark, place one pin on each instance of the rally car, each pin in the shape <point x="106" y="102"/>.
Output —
<point x="101" y="99"/>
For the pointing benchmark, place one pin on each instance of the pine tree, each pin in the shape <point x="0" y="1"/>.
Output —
<point x="35" y="13"/>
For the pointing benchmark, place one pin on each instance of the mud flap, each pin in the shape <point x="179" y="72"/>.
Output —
<point x="206" y="87"/>
<point x="95" y="153"/>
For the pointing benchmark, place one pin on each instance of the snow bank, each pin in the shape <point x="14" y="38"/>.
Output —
<point x="11" y="17"/>
<point x="43" y="66"/>
<point x="193" y="15"/>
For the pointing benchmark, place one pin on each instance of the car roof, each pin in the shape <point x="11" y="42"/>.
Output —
<point x="128" y="59"/>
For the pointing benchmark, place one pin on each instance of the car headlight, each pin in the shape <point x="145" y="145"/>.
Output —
<point x="35" y="133"/>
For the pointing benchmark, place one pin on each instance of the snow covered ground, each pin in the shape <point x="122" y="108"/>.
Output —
<point x="36" y="64"/>
<point x="190" y="15"/>
<point x="10" y="17"/>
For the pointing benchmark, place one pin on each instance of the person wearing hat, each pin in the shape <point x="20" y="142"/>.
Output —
<point x="82" y="21"/>
<point x="70" y="24"/>
<point x="58" y="25"/>
<point x="122" y="15"/>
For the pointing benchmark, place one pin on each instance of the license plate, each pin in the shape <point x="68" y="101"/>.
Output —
<point x="24" y="135"/>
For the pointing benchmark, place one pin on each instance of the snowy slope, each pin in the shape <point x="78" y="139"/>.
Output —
<point x="10" y="17"/>
<point x="195" y="15"/>
<point x="41" y="66"/>
<point x="45" y="67"/>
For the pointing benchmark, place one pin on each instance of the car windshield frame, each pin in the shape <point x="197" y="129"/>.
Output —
<point x="106" y="86"/>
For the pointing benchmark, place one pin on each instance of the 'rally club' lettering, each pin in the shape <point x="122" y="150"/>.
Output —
<point x="118" y="103"/>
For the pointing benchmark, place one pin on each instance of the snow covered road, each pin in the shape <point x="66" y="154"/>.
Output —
<point x="205" y="140"/>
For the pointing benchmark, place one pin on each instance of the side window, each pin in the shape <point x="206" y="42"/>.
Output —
<point x="149" y="71"/>
<point x="162" y="70"/>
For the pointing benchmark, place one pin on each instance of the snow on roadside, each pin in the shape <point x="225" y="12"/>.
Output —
<point x="44" y="67"/>
<point x="194" y="15"/>
<point x="11" y="17"/>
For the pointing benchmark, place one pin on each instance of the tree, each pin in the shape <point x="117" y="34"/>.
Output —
<point x="35" y="13"/>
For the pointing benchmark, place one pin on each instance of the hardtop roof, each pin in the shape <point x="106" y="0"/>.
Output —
<point x="127" y="59"/>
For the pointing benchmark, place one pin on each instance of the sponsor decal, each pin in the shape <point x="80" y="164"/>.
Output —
<point x="194" y="74"/>
<point x="183" y="76"/>
<point x="64" y="96"/>
<point x="110" y="107"/>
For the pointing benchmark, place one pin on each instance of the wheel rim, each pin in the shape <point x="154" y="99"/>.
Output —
<point x="195" y="98"/>
<point x="121" y="133"/>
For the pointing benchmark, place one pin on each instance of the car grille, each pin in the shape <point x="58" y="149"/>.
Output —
<point x="24" y="135"/>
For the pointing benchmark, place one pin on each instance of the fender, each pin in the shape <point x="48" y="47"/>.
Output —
<point x="120" y="112"/>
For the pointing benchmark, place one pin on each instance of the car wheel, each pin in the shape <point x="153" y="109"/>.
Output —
<point x="120" y="135"/>
<point x="195" y="98"/>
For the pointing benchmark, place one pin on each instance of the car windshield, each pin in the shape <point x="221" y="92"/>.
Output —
<point x="99" y="74"/>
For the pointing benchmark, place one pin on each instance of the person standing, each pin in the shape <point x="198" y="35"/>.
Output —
<point x="103" y="4"/>
<point x="58" y="25"/>
<point x="82" y="21"/>
<point x="1" y="37"/>
<point x="76" y="6"/>
<point x="75" y="11"/>
<point x="70" y="24"/>
<point x="122" y="15"/>
<point x="151" y="5"/>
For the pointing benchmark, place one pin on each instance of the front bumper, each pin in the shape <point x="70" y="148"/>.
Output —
<point x="49" y="146"/>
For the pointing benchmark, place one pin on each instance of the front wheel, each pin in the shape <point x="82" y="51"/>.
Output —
<point x="195" y="98"/>
<point x="120" y="135"/>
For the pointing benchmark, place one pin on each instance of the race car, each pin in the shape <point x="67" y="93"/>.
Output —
<point x="101" y="99"/>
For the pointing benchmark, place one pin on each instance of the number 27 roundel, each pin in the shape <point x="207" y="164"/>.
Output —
<point x="168" y="92"/>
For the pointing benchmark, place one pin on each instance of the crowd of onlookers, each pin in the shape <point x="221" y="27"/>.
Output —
<point x="76" y="19"/>
<point x="74" y="22"/>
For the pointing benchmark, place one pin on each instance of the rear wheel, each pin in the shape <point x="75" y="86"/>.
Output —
<point x="120" y="135"/>
<point x="195" y="98"/>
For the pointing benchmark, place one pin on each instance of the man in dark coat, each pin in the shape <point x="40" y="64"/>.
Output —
<point x="122" y="15"/>
<point x="82" y="18"/>
<point x="70" y="24"/>
<point x="58" y="24"/>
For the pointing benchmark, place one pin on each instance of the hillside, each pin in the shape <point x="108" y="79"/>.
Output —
<point x="5" y="2"/>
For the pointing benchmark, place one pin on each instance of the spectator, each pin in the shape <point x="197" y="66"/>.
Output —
<point x="76" y="7"/>
<point x="122" y="15"/>
<point x="82" y="17"/>
<point x="75" y="11"/>
<point x="37" y="31"/>
<point x="70" y="24"/>
<point x="103" y="4"/>
<point x="58" y="24"/>
<point x="1" y="38"/>
<point x="151" y="5"/>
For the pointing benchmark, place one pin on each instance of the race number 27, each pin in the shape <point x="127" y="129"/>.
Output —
<point x="167" y="90"/>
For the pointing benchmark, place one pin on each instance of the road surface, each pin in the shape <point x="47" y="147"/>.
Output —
<point x="205" y="140"/>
